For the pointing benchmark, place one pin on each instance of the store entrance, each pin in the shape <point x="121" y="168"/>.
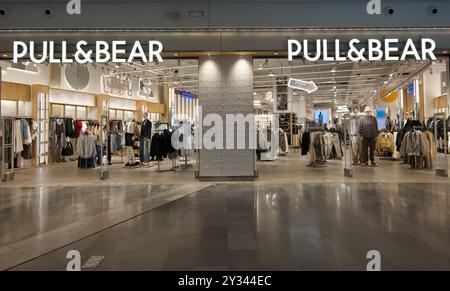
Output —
<point x="363" y="121"/>
<point x="300" y="136"/>
<point x="113" y="118"/>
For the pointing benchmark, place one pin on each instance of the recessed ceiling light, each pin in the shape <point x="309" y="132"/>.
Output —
<point x="444" y="52"/>
<point x="275" y="54"/>
<point x="175" y="55"/>
<point x="271" y="74"/>
<point x="5" y="56"/>
<point x="385" y="82"/>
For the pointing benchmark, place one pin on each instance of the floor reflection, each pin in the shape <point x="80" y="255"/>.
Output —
<point x="328" y="226"/>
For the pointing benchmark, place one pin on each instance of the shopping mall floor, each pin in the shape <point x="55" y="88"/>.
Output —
<point x="290" y="218"/>
<point x="290" y="168"/>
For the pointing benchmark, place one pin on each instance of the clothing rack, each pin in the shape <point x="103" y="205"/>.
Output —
<point x="18" y="117"/>
<point x="158" y="162"/>
<point x="315" y="129"/>
<point x="418" y="128"/>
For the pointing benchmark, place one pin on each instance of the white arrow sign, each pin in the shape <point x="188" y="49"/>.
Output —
<point x="302" y="85"/>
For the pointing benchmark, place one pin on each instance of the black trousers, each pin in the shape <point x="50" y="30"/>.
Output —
<point x="368" y="146"/>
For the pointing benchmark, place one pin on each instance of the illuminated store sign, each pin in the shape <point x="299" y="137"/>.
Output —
<point x="376" y="50"/>
<point x="187" y="95"/>
<point x="308" y="86"/>
<point x="102" y="53"/>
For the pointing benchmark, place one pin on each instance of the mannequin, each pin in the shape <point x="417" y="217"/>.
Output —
<point x="145" y="141"/>
<point x="368" y="130"/>
<point x="129" y="140"/>
<point x="356" y="139"/>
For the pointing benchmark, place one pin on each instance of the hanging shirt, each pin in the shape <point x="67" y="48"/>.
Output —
<point x="18" y="146"/>
<point x="354" y="126"/>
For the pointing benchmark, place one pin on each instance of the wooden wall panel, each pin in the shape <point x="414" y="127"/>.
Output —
<point x="16" y="92"/>
<point x="156" y="107"/>
<point x="421" y="113"/>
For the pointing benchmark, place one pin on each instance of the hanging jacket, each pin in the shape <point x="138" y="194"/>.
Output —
<point x="385" y="142"/>
<point x="415" y="149"/>
<point x="25" y="131"/>
<point x="86" y="145"/>
<point x="368" y="126"/>
<point x="146" y="129"/>
<point x="78" y="126"/>
<point x="70" y="127"/>
<point x="305" y="142"/>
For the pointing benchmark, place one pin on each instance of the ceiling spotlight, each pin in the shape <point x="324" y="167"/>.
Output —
<point x="7" y="55"/>
<point x="117" y="66"/>
<point x="385" y="82"/>
<point x="275" y="54"/>
<point x="175" y="54"/>
<point x="333" y="70"/>
<point x="271" y="74"/>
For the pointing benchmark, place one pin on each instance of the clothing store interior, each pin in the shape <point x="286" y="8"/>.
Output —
<point x="374" y="121"/>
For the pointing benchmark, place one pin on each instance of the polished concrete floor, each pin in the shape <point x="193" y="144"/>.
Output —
<point x="279" y="226"/>
<point x="35" y="221"/>
<point x="287" y="169"/>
